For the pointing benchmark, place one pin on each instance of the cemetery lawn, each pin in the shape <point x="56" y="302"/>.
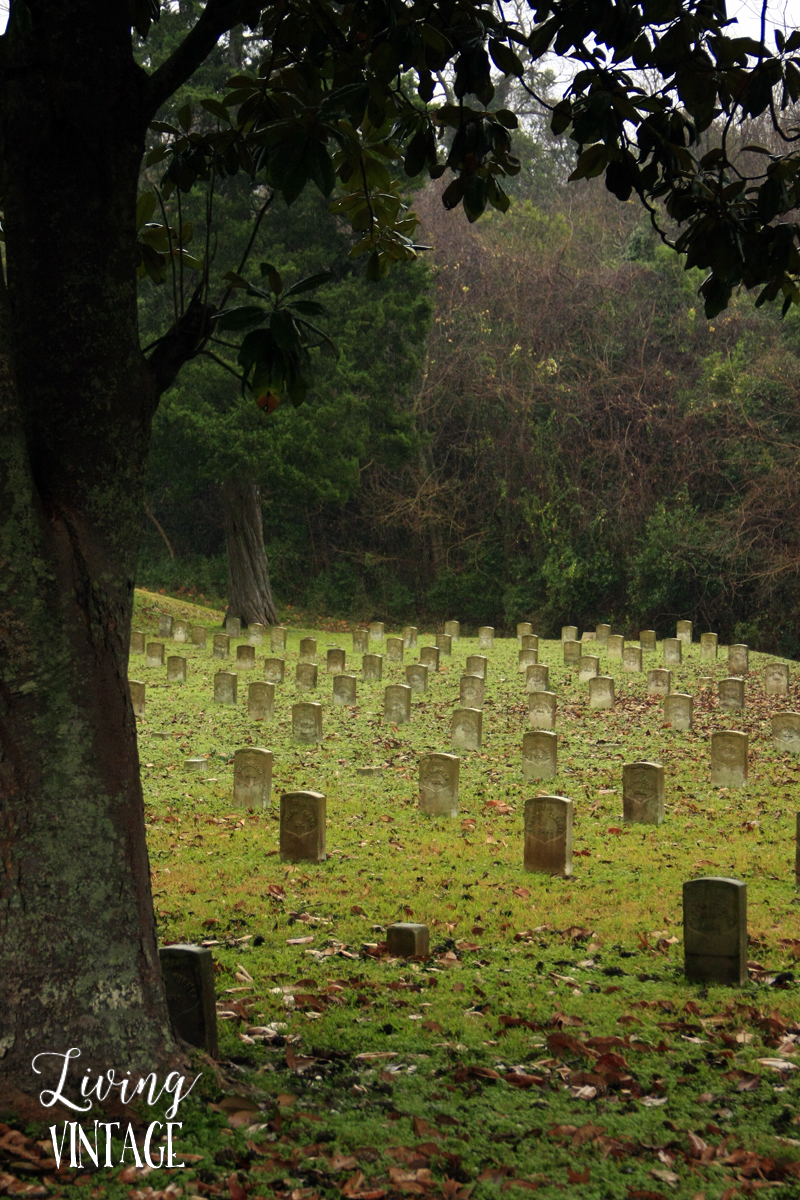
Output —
<point x="551" y="1042"/>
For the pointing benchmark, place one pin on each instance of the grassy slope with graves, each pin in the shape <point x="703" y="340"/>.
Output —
<point x="551" y="1041"/>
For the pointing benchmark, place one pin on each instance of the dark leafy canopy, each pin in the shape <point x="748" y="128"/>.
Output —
<point x="351" y="93"/>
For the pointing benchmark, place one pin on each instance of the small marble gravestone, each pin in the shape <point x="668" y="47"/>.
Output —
<point x="659" y="682"/>
<point x="302" y="836"/>
<point x="537" y="678"/>
<point x="188" y="974"/>
<point x="647" y="640"/>
<point x="678" y="710"/>
<point x="245" y="658"/>
<point x="225" y="685"/>
<point x="524" y="628"/>
<point x="164" y="625"/>
<point x="542" y="710"/>
<point x="397" y="703"/>
<point x="335" y="660"/>
<point x="477" y="664"/>
<point x="615" y="645"/>
<point x="729" y="759"/>
<point x="601" y="692"/>
<point x="345" y="689"/>
<point x="361" y="641"/>
<point x="471" y="690"/>
<point x="643" y="793"/>
<point x="199" y="635"/>
<point x="221" y="646"/>
<point x="673" y="652"/>
<point x="154" y="654"/>
<point x="572" y="652"/>
<point x="407" y="940"/>
<point x="731" y="694"/>
<point x="715" y="931"/>
<point x="588" y="636"/>
<point x="394" y="649"/>
<point x="632" y="658"/>
<point x="377" y="629"/>
<point x="197" y="766"/>
<point x="466" y="728"/>
<point x="588" y="667"/>
<point x="527" y="658"/>
<point x="261" y="701"/>
<point x="305" y="676"/>
<point x="602" y="632"/>
<point x="176" y="669"/>
<point x="444" y="644"/>
<point x="252" y="776"/>
<point x="429" y="657"/>
<point x="539" y="754"/>
<point x="417" y="677"/>
<point x="485" y="637"/>
<point x="738" y="660"/>
<point x="307" y="722"/>
<point x="137" y="689"/>
<point x="180" y="630"/>
<point x="277" y="639"/>
<point x="255" y="633"/>
<point x="372" y="667"/>
<point x="530" y="641"/>
<point x="569" y="633"/>
<point x="274" y="670"/>
<point x="233" y="627"/>
<point x="548" y="835"/>
<point x="776" y="679"/>
<point x="709" y="644"/>
<point x="137" y="641"/>
<point x="786" y="732"/>
<point x="438" y="785"/>
<point x="683" y="632"/>
<point x="453" y="629"/>
<point x="410" y="637"/>
<point x="308" y="649"/>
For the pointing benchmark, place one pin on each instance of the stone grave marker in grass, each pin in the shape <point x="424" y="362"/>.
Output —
<point x="602" y="632"/>
<point x="429" y="657"/>
<point x="709" y="645"/>
<point x="274" y="670"/>
<point x="199" y="636"/>
<point x="417" y="677"/>
<point x="678" y="710"/>
<point x="307" y="722"/>
<point x="524" y="628"/>
<point x="405" y="939"/>
<point x="180" y="630"/>
<point x="588" y="636"/>
<point x="154" y="654"/>
<point x="715" y="931"/>
<point x="164" y="625"/>
<point x="527" y="658"/>
<point x="225" y="685"/>
<point x="361" y="641"/>
<point x="471" y="691"/>
<point x="659" y="682"/>
<point x="377" y="631"/>
<point x="255" y="633"/>
<point x="397" y="704"/>
<point x="188" y="973"/>
<point x="453" y="629"/>
<point x="438" y="784"/>
<point x="137" y="641"/>
<point x="738" y="660"/>
<point x="786" y="732"/>
<point x="643" y="793"/>
<point x="539" y="754"/>
<point x="731" y="694"/>
<point x="245" y="658"/>
<point x="537" y="678"/>
<point x="252" y="776"/>
<point x="466" y="728"/>
<point x="673" y="652"/>
<point x="410" y="633"/>
<point x="548" y="835"/>
<point x="572" y="651"/>
<point x="776" y="679"/>
<point x="335" y="661"/>
<point x="233" y="627"/>
<point x="302" y="828"/>
<point x="197" y="766"/>
<point x="615" y="646"/>
<point x="305" y="676"/>
<point x="601" y="692"/>
<point x="444" y="644"/>
<point x="394" y="649"/>
<point x="261" y="701"/>
<point x="542" y="710"/>
<point x="632" y="658"/>
<point x="176" y="669"/>
<point x="221" y="646"/>
<point x="345" y="690"/>
<point x="137" y="692"/>
<point x="530" y="641"/>
<point x="647" y="640"/>
<point x="277" y="639"/>
<point x="308" y="649"/>
<point x="588" y="667"/>
<point x="729" y="754"/>
<point x="372" y="667"/>
<point x="477" y="664"/>
<point x="569" y="633"/>
<point x="485" y="637"/>
<point x="683" y="632"/>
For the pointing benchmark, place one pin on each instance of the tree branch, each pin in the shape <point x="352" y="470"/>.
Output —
<point x="183" y="341"/>
<point x="217" y="18"/>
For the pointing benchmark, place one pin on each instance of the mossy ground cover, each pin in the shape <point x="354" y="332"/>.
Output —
<point x="551" y="1042"/>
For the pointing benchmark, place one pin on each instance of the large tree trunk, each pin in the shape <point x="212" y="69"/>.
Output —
<point x="79" y="964"/>
<point x="249" y="590"/>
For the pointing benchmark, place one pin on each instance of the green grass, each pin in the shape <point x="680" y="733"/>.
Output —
<point x="525" y="969"/>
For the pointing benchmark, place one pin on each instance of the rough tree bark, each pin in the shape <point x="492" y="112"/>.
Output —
<point x="249" y="589"/>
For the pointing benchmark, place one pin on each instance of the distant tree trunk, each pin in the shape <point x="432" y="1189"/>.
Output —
<point x="249" y="589"/>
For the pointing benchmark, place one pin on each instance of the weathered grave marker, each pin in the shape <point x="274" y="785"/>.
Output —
<point x="407" y="940"/>
<point x="453" y="629"/>
<point x="539" y="754"/>
<point x="180" y="630"/>
<point x="199" y="635"/>
<point x="524" y="628"/>
<point x="729" y="753"/>
<point x="731" y="694"/>
<point x="394" y="649"/>
<point x="252" y="776"/>
<point x="154" y="654"/>
<point x="683" y="632"/>
<point x="417" y="677"/>
<point x="569" y="633"/>
<point x="397" y="703"/>
<point x="444" y="644"/>
<point x="485" y="637"/>
<point x="302" y="835"/>
<point x="197" y="766"/>
<point x="261" y="701"/>
<point x="530" y="641"/>
<point x="176" y="669"/>
<point x="361" y="641"/>
<point x="466" y="728"/>
<point x="647" y="640"/>
<point x="225" y="685"/>
<point x="632" y="658"/>
<point x="164" y="625"/>
<point x="776" y="679"/>
<point x="274" y="670"/>
<point x="255" y="633"/>
<point x="308" y="649"/>
<point x="372" y="667"/>
<point x="233" y="627"/>
<point x="602" y="632"/>
<point x="548" y="835"/>
<point x="307" y="722"/>
<point x="659" y="682"/>
<point x="601" y="692"/>
<point x="335" y="660"/>
<point x="588" y="667"/>
<point x="709" y="644"/>
<point x="137" y="641"/>
<point x="245" y="658"/>
<point x="277" y="639"/>
<point x="221" y="646"/>
<point x="377" y="630"/>
<point x="410" y="637"/>
<point x="786" y="732"/>
<point x="537" y="678"/>
<point x="643" y="793"/>
<point x="345" y="690"/>
<point x="673" y="652"/>
<point x="542" y="710"/>
<point x="678" y="710"/>
<point x="305" y="676"/>
<point x="572" y="652"/>
<point x="715" y="931"/>
<point x="471" y="690"/>
<point x="477" y="664"/>
<point x="137" y="691"/>
<point x="738" y="660"/>
<point x="429" y="657"/>
<point x="438" y="785"/>
<point x="188" y="974"/>
<point x="527" y="658"/>
<point x="615" y="645"/>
